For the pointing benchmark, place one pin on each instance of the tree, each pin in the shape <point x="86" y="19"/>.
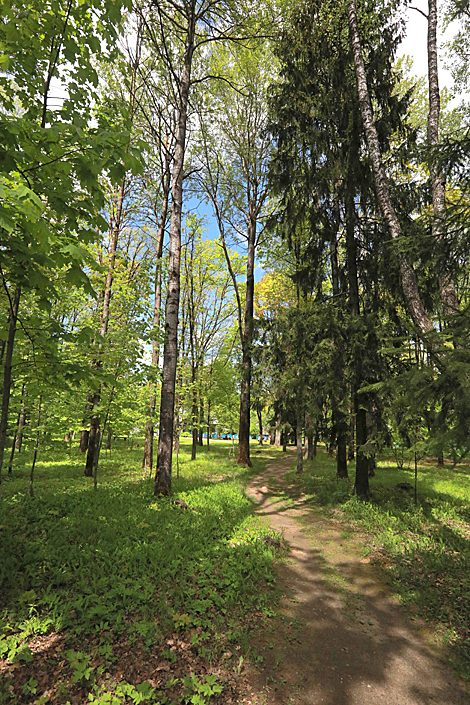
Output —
<point x="51" y="159"/>
<point x="233" y="156"/>
<point x="179" y="32"/>
<point x="208" y="308"/>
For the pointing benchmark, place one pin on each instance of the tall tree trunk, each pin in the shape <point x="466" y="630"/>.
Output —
<point x="201" y="422"/>
<point x="95" y="421"/>
<point x="449" y="296"/>
<point x="83" y="446"/>
<point x="352" y="434"/>
<point x="36" y="447"/>
<point x="147" y="460"/>
<point x="13" y="446"/>
<point x="93" y="437"/>
<point x="208" y="421"/>
<point x="14" y="307"/>
<point x="260" y="426"/>
<point x="277" y="432"/>
<point x="94" y="444"/>
<point x="109" y="435"/>
<point x="298" y="432"/>
<point x="342" y="432"/>
<point x="408" y="277"/>
<point x="22" y="420"/>
<point x="245" y="387"/>
<point x="361" y="484"/>
<point x="309" y="435"/>
<point x="170" y="348"/>
<point x="195" y="435"/>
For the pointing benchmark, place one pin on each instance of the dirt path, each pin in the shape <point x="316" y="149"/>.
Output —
<point x="341" y="639"/>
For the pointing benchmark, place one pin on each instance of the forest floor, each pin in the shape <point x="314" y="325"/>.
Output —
<point x="341" y="637"/>
<point x="114" y="596"/>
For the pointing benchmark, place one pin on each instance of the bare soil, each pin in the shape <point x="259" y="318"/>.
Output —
<point x="342" y="638"/>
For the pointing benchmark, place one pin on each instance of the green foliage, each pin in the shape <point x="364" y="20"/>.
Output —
<point x="117" y="563"/>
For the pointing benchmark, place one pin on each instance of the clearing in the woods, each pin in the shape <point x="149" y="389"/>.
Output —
<point x="247" y="586"/>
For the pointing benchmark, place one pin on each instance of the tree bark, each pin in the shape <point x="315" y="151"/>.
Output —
<point x="361" y="485"/>
<point x="83" y="447"/>
<point x="408" y="277"/>
<point x="277" y="433"/>
<point x="449" y="298"/>
<point x="352" y="433"/>
<point x="201" y="422"/>
<point x="13" y="446"/>
<point x="260" y="426"/>
<point x="309" y="435"/>
<point x="298" y="433"/>
<point x="36" y="447"/>
<point x="14" y="307"/>
<point x="245" y="387"/>
<point x="147" y="461"/>
<point x="22" y="421"/>
<point x="170" y="349"/>
<point x="341" y="453"/>
<point x="208" y="421"/>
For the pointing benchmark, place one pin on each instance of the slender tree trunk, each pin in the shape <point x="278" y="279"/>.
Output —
<point x="277" y="433"/>
<point x="408" y="277"/>
<point x="170" y="348"/>
<point x="93" y="438"/>
<point x="298" y="433"/>
<point x="309" y="435"/>
<point x="95" y="421"/>
<point x="341" y="455"/>
<point x="361" y="485"/>
<point x="260" y="426"/>
<point x="22" y="421"/>
<point x="109" y="436"/>
<point x="201" y="423"/>
<point x="245" y="387"/>
<point x="36" y="447"/>
<point x="13" y="446"/>
<point x="96" y="458"/>
<point x="15" y="304"/>
<point x="208" y="421"/>
<point x="352" y="434"/>
<point x="83" y="446"/>
<point x="284" y="441"/>
<point x="147" y="461"/>
<point x="194" y="436"/>
<point x="449" y="296"/>
<point x="315" y="440"/>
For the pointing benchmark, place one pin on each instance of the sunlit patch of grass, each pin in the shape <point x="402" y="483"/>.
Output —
<point x="121" y="563"/>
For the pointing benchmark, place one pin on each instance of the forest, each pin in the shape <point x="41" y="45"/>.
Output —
<point x="234" y="247"/>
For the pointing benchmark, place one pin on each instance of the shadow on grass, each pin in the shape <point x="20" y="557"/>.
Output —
<point x="93" y="564"/>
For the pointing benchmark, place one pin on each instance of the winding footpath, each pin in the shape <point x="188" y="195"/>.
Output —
<point x="342" y="638"/>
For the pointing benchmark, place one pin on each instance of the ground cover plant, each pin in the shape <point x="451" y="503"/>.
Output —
<point x="116" y="596"/>
<point x="424" y="548"/>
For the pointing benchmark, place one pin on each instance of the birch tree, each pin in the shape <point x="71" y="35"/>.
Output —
<point x="179" y="32"/>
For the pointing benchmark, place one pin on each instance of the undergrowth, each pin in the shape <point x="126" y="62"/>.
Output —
<point x="94" y="581"/>
<point x="424" y="549"/>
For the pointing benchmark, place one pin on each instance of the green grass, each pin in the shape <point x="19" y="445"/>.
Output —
<point x="118" y="566"/>
<point x="424" y="549"/>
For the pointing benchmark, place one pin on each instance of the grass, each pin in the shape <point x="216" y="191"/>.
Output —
<point x="424" y="549"/>
<point x="101" y="590"/>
